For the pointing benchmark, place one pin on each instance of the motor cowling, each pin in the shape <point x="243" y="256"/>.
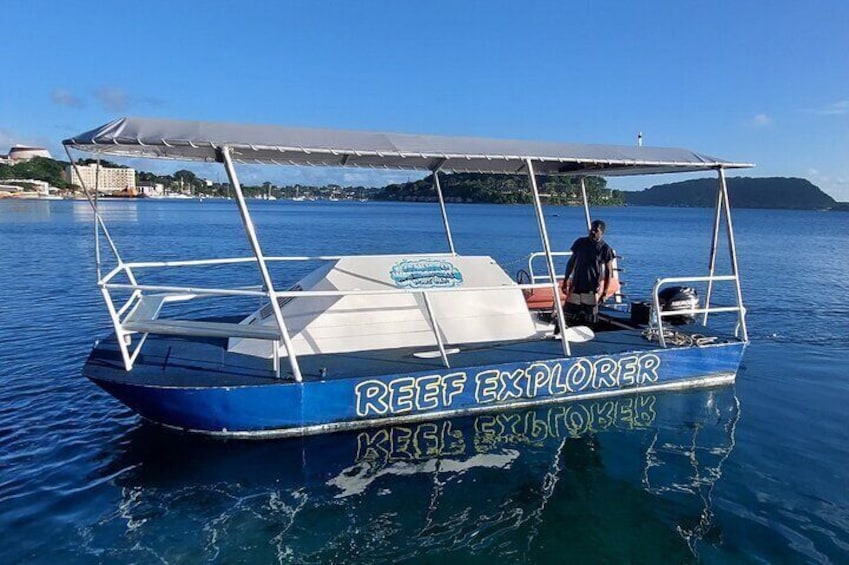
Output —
<point x="678" y="298"/>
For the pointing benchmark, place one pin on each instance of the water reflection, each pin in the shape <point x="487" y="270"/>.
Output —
<point x="20" y="210"/>
<point x="628" y="478"/>
<point x="119" y="211"/>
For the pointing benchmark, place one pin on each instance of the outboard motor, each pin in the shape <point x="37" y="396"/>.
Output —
<point x="676" y="298"/>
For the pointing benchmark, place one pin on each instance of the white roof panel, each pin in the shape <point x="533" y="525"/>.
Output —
<point x="202" y="141"/>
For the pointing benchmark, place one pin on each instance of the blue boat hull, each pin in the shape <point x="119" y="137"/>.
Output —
<point x="286" y="408"/>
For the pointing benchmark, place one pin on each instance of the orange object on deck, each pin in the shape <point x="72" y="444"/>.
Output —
<point x="540" y="298"/>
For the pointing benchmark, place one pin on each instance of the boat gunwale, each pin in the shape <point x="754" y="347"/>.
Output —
<point x="704" y="381"/>
<point x="288" y="380"/>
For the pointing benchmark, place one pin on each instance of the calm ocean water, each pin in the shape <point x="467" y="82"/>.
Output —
<point x="757" y="472"/>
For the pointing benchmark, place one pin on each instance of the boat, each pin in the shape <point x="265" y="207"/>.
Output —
<point x="298" y="197"/>
<point x="372" y="340"/>
<point x="126" y="192"/>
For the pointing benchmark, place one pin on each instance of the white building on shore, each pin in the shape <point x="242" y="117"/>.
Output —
<point x="108" y="179"/>
<point x="21" y="153"/>
<point x="27" y="188"/>
<point x="151" y="189"/>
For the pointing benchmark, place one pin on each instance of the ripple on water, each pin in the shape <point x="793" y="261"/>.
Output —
<point x="76" y="464"/>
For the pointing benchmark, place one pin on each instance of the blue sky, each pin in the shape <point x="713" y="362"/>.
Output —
<point x="756" y="81"/>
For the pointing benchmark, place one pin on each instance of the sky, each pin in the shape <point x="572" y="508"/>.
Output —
<point x="765" y="82"/>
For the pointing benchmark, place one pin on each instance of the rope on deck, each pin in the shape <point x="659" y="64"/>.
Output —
<point x="679" y="339"/>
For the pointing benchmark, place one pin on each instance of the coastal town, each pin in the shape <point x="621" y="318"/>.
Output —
<point x="43" y="178"/>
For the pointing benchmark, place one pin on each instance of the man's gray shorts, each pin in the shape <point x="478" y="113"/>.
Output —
<point x="581" y="308"/>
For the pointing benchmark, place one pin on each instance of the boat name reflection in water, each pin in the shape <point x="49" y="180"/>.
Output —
<point x="491" y="431"/>
<point x="430" y="392"/>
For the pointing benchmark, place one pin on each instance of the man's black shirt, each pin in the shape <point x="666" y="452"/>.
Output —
<point x="590" y="256"/>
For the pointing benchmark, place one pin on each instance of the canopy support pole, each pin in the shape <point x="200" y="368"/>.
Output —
<point x="442" y="207"/>
<point x="586" y="203"/>
<point x="732" y="249"/>
<point x="713" y="247"/>
<point x="99" y="224"/>
<point x="98" y="219"/>
<point x="439" y="343"/>
<point x="558" y="306"/>
<point x="260" y="259"/>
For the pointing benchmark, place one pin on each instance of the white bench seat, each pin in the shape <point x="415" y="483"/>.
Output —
<point x="144" y="318"/>
<point x="206" y="329"/>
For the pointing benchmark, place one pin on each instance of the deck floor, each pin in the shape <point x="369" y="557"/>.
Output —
<point x="204" y="362"/>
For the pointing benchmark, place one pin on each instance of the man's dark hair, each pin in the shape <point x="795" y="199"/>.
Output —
<point x="599" y="224"/>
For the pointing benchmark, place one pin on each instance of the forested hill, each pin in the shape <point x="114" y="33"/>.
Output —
<point x="743" y="192"/>
<point x="502" y="189"/>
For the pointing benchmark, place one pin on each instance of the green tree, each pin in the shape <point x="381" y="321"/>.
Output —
<point x="38" y="168"/>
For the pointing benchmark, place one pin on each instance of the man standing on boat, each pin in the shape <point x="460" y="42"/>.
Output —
<point x="588" y="276"/>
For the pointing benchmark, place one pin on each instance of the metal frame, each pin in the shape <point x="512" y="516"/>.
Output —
<point x="543" y="232"/>
<point x="99" y="224"/>
<point x="438" y="188"/>
<point x="267" y="290"/>
<point x="693" y="311"/>
<point x="722" y="209"/>
<point x="119" y="315"/>
<point x="536" y="254"/>
<point x="586" y="203"/>
<point x="263" y="268"/>
<point x="175" y="293"/>
<point x="732" y="250"/>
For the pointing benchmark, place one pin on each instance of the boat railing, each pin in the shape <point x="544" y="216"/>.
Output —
<point x="658" y="314"/>
<point x="541" y="255"/>
<point x="140" y="312"/>
<point x="199" y="291"/>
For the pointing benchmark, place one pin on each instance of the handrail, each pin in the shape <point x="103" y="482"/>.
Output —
<point x="186" y="329"/>
<point x="740" y="309"/>
<point x="314" y="293"/>
<point x="536" y="254"/>
<point x="184" y="289"/>
<point x="235" y="260"/>
<point x="140" y="291"/>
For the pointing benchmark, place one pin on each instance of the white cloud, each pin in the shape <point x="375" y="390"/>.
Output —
<point x="760" y="120"/>
<point x="151" y="101"/>
<point x="63" y="97"/>
<point x="116" y="99"/>
<point x="112" y="99"/>
<point x="377" y="178"/>
<point x="835" y="185"/>
<point x="836" y="109"/>
<point x="7" y="138"/>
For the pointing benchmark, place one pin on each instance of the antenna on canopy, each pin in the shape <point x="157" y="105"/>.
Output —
<point x="639" y="139"/>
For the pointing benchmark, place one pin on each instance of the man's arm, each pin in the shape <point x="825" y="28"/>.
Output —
<point x="608" y="270"/>
<point x="570" y="266"/>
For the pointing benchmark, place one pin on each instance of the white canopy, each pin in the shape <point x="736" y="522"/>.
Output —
<point x="202" y="141"/>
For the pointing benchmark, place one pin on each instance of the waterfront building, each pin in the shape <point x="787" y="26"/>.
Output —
<point x="21" y="153"/>
<point x="151" y="189"/>
<point x="27" y="188"/>
<point x="108" y="179"/>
